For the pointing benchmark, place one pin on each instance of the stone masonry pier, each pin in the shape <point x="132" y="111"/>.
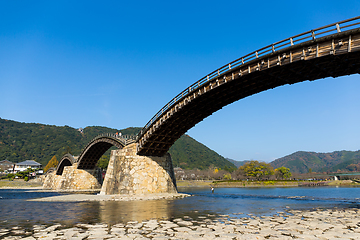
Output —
<point x="72" y="179"/>
<point x="129" y="173"/>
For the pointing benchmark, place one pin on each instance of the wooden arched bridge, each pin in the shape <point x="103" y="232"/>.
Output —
<point x="329" y="51"/>
<point x="93" y="151"/>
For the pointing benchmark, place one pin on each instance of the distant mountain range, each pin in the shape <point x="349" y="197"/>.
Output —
<point x="237" y="163"/>
<point x="302" y="162"/>
<point x="33" y="141"/>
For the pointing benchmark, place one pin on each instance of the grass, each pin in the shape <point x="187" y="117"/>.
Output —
<point x="266" y="183"/>
<point x="194" y="183"/>
<point x="343" y="183"/>
<point x="19" y="183"/>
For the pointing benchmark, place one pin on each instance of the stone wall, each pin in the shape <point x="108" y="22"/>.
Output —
<point x="129" y="173"/>
<point x="71" y="179"/>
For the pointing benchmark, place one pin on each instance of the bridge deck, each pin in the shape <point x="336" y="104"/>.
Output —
<point x="332" y="55"/>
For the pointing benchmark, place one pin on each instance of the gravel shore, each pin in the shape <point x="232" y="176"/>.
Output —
<point x="97" y="197"/>
<point x="320" y="224"/>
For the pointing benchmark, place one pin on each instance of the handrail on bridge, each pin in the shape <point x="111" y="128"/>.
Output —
<point x="330" y="29"/>
<point x="126" y="139"/>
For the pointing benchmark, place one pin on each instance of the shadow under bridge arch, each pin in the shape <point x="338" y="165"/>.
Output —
<point x="66" y="160"/>
<point x="96" y="148"/>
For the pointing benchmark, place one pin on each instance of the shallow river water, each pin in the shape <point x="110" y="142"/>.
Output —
<point x="236" y="202"/>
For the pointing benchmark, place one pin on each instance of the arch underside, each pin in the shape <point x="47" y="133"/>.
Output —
<point x="66" y="160"/>
<point x="94" y="150"/>
<point x="162" y="136"/>
<point x="63" y="163"/>
<point x="50" y="170"/>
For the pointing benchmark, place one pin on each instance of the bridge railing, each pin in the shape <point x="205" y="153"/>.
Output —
<point x="327" y="30"/>
<point x="125" y="139"/>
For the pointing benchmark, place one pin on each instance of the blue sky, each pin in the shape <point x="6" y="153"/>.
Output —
<point x="116" y="63"/>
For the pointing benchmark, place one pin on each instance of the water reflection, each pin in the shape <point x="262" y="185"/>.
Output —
<point x="236" y="202"/>
<point x="114" y="212"/>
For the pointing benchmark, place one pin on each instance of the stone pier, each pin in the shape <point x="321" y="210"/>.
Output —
<point x="72" y="179"/>
<point x="129" y="173"/>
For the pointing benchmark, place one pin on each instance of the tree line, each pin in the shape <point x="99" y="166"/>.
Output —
<point x="252" y="170"/>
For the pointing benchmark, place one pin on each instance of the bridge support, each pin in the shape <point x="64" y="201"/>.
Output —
<point x="72" y="179"/>
<point x="129" y="173"/>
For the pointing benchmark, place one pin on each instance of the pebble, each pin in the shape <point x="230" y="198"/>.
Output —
<point x="319" y="225"/>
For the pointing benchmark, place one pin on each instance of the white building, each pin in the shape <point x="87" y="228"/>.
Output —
<point x="22" y="166"/>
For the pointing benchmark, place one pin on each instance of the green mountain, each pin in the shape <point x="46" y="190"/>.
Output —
<point x="237" y="163"/>
<point x="301" y="162"/>
<point x="187" y="153"/>
<point x="39" y="142"/>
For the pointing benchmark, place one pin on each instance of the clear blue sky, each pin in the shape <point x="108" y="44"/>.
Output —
<point x="116" y="63"/>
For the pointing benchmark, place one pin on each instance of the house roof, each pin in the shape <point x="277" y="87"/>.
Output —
<point x="5" y="162"/>
<point x="28" y="163"/>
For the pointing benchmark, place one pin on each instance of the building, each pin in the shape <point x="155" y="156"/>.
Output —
<point x="6" y="165"/>
<point x="179" y="173"/>
<point x="22" y="166"/>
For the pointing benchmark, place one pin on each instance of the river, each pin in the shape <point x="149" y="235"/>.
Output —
<point x="235" y="202"/>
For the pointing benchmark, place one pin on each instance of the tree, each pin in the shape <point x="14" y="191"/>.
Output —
<point x="227" y="176"/>
<point x="11" y="176"/>
<point x="24" y="174"/>
<point x="283" y="172"/>
<point x="230" y="169"/>
<point x="52" y="163"/>
<point x="103" y="162"/>
<point x="257" y="169"/>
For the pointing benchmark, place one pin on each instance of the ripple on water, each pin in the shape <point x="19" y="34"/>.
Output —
<point x="234" y="202"/>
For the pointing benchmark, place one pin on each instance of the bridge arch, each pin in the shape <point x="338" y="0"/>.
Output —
<point x="50" y="170"/>
<point x="97" y="147"/>
<point x="66" y="160"/>
<point x="329" y="51"/>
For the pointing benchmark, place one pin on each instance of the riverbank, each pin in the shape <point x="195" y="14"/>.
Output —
<point x="194" y="183"/>
<point x="242" y="184"/>
<point x="36" y="184"/>
<point x="20" y="184"/>
<point x="318" y="224"/>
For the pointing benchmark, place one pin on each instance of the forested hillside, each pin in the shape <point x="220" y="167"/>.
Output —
<point x="187" y="153"/>
<point x="303" y="162"/>
<point x="39" y="142"/>
<point x="237" y="163"/>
